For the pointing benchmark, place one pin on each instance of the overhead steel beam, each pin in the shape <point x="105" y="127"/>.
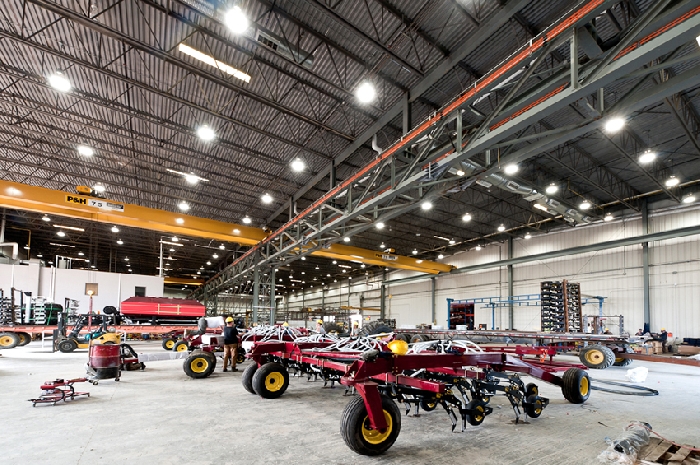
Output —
<point x="488" y="27"/>
<point x="645" y="238"/>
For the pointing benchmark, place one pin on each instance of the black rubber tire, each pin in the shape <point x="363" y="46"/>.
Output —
<point x="533" y="406"/>
<point x="576" y="385"/>
<point x="531" y="389"/>
<point x="240" y="354"/>
<point x="623" y="362"/>
<point x="181" y="346"/>
<point x="375" y="327"/>
<point x="109" y="310"/>
<point x="418" y="338"/>
<point x="404" y="337"/>
<point x="8" y="340"/>
<point x="270" y="380"/>
<point x="67" y="346"/>
<point x="24" y="339"/>
<point x="199" y="365"/>
<point x="107" y="373"/>
<point x="333" y="328"/>
<point x="428" y="404"/>
<point x="597" y="357"/>
<point x="355" y="420"/>
<point x="247" y="377"/>
<point x="479" y="412"/>
<point x="169" y="343"/>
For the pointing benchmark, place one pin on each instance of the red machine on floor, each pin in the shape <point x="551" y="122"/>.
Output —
<point x="58" y="390"/>
<point x="158" y="310"/>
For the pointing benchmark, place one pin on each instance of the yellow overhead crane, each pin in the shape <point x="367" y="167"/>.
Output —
<point x="43" y="200"/>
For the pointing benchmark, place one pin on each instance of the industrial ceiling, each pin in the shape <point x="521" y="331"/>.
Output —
<point x="147" y="75"/>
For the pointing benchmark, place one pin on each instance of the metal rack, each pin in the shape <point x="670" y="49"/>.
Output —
<point x="561" y="307"/>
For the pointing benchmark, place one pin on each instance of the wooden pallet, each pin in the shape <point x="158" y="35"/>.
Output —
<point x="661" y="451"/>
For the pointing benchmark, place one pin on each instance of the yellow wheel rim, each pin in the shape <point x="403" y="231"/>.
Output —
<point x="431" y="404"/>
<point x="181" y="348"/>
<point x="199" y="365"/>
<point x="583" y="386"/>
<point x="538" y="407"/>
<point x="480" y="413"/>
<point x="274" y="381"/>
<point x="594" y="356"/>
<point x="169" y="344"/>
<point x="5" y="341"/>
<point x="619" y="360"/>
<point x="374" y="436"/>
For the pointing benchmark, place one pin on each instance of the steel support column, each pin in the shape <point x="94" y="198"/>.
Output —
<point x="273" y="303"/>
<point x="645" y="263"/>
<point x="256" y="293"/>
<point x="510" y="284"/>
<point x="433" y="282"/>
<point x="382" y="303"/>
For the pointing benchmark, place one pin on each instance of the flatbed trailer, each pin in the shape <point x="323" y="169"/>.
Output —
<point x="459" y="380"/>
<point x="25" y="333"/>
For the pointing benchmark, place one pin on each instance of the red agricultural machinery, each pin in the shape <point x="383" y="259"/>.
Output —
<point x="457" y="375"/>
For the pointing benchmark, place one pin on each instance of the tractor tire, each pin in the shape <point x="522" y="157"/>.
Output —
<point x="623" y="362"/>
<point x="418" y="338"/>
<point x="576" y="385"/>
<point x="333" y="328"/>
<point x="357" y="433"/>
<point x="181" y="346"/>
<point x="169" y="343"/>
<point x="24" y="339"/>
<point x="67" y="346"/>
<point x="270" y="380"/>
<point x="597" y="357"/>
<point x="531" y="389"/>
<point x="428" y="404"/>
<point x="478" y="415"/>
<point x="199" y="365"/>
<point x="375" y="327"/>
<point x="533" y="406"/>
<point x="109" y="310"/>
<point x="247" y="377"/>
<point x="9" y="340"/>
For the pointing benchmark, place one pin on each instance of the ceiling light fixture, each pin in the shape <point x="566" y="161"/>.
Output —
<point x="247" y="220"/>
<point x="190" y="177"/>
<point x="501" y="228"/>
<point x="174" y="239"/>
<point x="60" y="82"/>
<point x="45" y="218"/>
<point x="81" y="254"/>
<point x="298" y="165"/>
<point x="120" y="242"/>
<point x="426" y="206"/>
<point x="452" y="242"/>
<point x="215" y="256"/>
<point x="99" y="188"/>
<point x="585" y="205"/>
<point x="672" y="181"/>
<point x="366" y="93"/>
<point x="478" y="247"/>
<point x="266" y="198"/>
<point x="528" y="236"/>
<point x="415" y="252"/>
<point x="236" y="20"/>
<point x="380" y="225"/>
<point x="61" y="234"/>
<point x="236" y="231"/>
<point x="86" y="151"/>
<point x="614" y="125"/>
<point x="346" y="239"/>
<point x="206" y="133"/>
<point x="539" y="206"/>
<point x="690" y="198"/>
<point x="211" y="61"/>
<point x="647" y="157"/>
<point x="460" y="173"/>
<point x="222" y="247"/>
<point x="335" y="262"/>
<point x="608" y="217"/>
<point x="466" y="217"/>
<point x="73" y="228"/>
<point x="441" y="256"/>
<point x="179" y="221"/>
<point x="208" y="263"/>
<point x="510" y="168"/>
<point x="184" y="206"/>
<point x="552" y="189"/>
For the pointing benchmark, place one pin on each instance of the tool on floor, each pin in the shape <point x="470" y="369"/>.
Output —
<point x="59" y="390"/>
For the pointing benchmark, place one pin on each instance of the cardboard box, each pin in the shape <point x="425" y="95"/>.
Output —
<point x="688" y="350"/>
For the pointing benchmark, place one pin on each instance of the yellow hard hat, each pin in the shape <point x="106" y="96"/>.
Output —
<point x="398" y="347"/>
<point x="229" y="320"/>
<point x="285" y="324"/>
<point x="663" y="329"/>
<point x="320" y="322"/>
<point x="356" y="324"/>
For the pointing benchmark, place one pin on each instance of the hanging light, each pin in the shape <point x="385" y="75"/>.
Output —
<point x="613" y="125"/>
<point x="236" y="20"/>
<point x="266" y="198"/>
<point x="86" y="151"/>
<point x="247" y="220"/>
<point x="608" y="217"/>
<point x="366" y="93"/>
<point x="45" y="218"/>
<point x="184" y="206"/>
<point x="61" y="234"/>
<point x="206" y="133"/>
<point x="426" y="206"/>
<point x="510" y="168"/>
<point x="501" y="228"/>
<point x="60" y="82"/>
<point x="441" y="256"/>
<point x="380" y="225"/>
<point x="298" y="165"/>
<point x="552" y="189"/>
<point x="585" y="205"/>
<point x="466" y="217"/>
<point x="99" y="188"/>
<point x="120" y="242"/>
<point x="346" y="239"/>
<point x="647" y="157"/>
<point x="672" y="181"/>
<point x="415" y="252"/>
<point x="690" y="198"/>
<point x="528" y="236"/>
<point x="478" y="247"/>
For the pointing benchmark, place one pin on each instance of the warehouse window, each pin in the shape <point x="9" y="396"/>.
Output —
<point x="140" y="291"/>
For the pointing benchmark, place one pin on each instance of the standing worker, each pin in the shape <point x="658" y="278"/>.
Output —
<point x="319" y="327"/>
<point x="230" y="344"/>
<point x="663" y="337"/>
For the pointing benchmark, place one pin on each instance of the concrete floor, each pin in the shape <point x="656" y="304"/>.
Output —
<point x="161" y="416"/>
